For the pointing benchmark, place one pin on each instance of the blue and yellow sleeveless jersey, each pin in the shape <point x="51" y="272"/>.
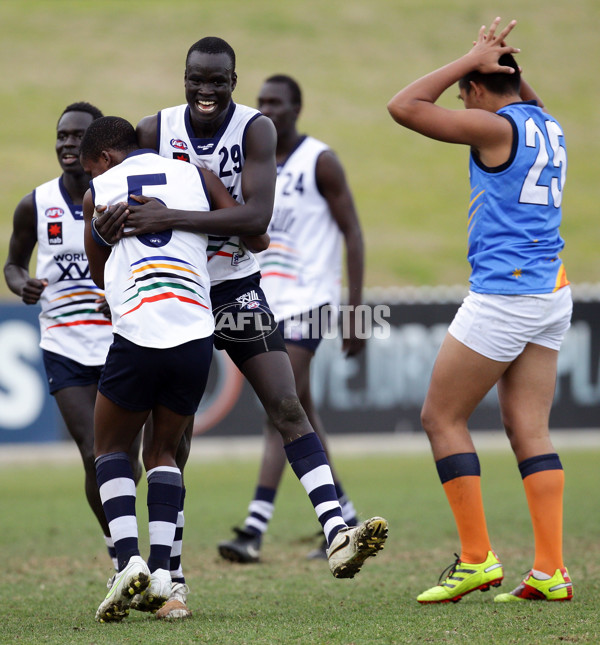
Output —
<point x="515" y="209"/>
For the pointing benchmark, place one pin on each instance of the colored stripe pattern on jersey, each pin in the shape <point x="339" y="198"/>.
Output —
<point x="301" y="269"/>
<point x="515" y="209"/>
<point x="224" y="155"/>
<point x="157" y="284"/>
<point x="69" y="322"/>
<point x="160" y="277"/>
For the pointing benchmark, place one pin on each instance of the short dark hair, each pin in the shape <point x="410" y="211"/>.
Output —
<point x="295" y="91"/>
<point x="212" y="45"/>
<point x="108" y="133"/>
<point x="498" y="82"/>
<point x="82" y="106"/>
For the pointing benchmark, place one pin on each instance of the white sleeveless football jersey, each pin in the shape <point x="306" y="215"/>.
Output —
<point x="301" y="269"/>
<point x="157" y="284"/>
<point x="224" y="155"/>
<point x="69" y="323"/>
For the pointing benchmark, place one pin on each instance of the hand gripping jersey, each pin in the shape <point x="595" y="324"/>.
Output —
<point x="515" y="209"/>
<point x="157" y="284"/>
<point x="224" y="155"/>
<point x="301" y="269"/>
<point x="69" y="323"/>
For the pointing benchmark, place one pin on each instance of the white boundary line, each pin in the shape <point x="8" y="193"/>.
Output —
<point x="208" y="448"/>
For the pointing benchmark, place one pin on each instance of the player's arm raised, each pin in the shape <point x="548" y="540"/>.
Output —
<point x="415" y="106"/>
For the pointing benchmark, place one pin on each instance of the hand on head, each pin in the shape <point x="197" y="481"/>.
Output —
<point x="490" y="46"/>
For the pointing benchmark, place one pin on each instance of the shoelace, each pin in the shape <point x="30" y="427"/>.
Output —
<point x="450" y="569"/>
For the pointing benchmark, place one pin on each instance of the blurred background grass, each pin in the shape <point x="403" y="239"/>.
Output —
<point x="350" y="57"/>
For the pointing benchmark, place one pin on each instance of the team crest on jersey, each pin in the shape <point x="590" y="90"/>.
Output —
<point x="237" y="257"/>
<point x="179" y="144"/>
<point x="55" y="233"/>
<point x="249" y="300"/>
<point x="181" y="156"/>
<point x="54" y="212"/>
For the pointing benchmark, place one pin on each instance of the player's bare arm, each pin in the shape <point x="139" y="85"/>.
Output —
<point x="415" y="106"/>
<point x="256" y="243"/>
<point x="147" y="132"/>
<point x="332" y="184"/>
<point x="20" y="249"/>
<point x="251" y="218"/>
<point x="96" y="253"/>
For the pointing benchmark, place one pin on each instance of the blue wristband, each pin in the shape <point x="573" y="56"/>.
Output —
<point x="97" y="237"/>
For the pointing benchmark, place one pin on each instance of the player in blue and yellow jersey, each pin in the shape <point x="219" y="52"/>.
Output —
<point x="509" y="328"/>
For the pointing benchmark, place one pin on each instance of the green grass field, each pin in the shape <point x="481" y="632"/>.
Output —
<point x="350" y="57"/>
<point x="56" y="566"/>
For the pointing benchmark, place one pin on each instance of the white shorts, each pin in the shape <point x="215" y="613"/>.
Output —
<point x="499" y="327"/>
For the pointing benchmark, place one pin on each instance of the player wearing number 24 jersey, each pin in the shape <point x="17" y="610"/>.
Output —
<point x="510" y="327"/>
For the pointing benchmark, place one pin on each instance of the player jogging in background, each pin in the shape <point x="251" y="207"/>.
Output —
<point x="509" y="328"/>
<point x="75" y="332"/>
<point x="301" y="276"/>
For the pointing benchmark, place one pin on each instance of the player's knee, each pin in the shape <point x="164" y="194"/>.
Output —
<point x="430" y="420"/>
<point x="89" y="461"/>
<point x="286" y="412"/>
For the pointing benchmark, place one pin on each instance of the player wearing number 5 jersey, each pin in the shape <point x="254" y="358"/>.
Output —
<point x="159" y="291"/>
<point x="510" y="327"/>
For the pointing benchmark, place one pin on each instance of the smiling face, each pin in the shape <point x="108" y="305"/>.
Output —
<point x="209" y="83"/>
<point x="69" y="132"/>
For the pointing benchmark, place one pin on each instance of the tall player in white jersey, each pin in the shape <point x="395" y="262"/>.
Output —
<point x="510" y="326"/>
<point x="158" y="289"/>
<point x="247" y="165"/>
<point x="301" y="275"/>
<point x="75" y="332"/>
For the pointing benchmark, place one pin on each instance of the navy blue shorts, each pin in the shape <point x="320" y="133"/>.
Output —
<point x="244" y="324"/>
<point x="64" y="372"/>
<point x="138" y="378"/>
<point x="306" y="329"/>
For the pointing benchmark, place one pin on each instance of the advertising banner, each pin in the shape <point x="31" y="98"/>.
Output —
<point x="382" y="390"/>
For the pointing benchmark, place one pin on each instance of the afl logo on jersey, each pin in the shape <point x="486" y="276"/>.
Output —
<point x="54" y="212"/>
<point x="178" y="144"/>
<point x="156" y="239"/>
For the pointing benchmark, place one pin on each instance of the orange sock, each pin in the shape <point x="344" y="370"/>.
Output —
<point x="464" y="495"/>
<point x="544" y="491"/>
